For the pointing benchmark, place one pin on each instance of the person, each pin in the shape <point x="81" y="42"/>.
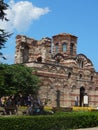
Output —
<point x="10" y="106"/>
<point x="19" y="99"/>
<point x="30" y="99"/>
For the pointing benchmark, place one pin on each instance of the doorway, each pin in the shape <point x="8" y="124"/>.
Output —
<point x="82" y="92"/>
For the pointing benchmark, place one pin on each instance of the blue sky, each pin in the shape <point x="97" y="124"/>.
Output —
<point x="45" y="18"/>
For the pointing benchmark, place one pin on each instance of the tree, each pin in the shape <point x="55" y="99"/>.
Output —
<point x="3" y="34"/>
<point x="24" y="80"/>
<point x="17" y="78"/>
<point x="2" y="78"/>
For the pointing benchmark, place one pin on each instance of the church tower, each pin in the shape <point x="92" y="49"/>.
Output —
<point x="65" y="44"/>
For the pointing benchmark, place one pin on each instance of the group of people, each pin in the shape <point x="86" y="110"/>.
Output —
<point x="11" y="103"/>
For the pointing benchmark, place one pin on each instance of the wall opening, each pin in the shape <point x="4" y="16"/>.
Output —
<point x="82" y="92"/>
<point x="58" y="98"/>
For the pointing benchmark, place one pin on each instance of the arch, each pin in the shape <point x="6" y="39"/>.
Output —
<point x="39" y="59"/>
<point x="58" y="57"/>
<point x="73" y="87"/>
<point x="65" y="86"/>
<point x="53" y="69"/>
<point x="59" y="54"/>
<point x="80" y="75"/>
<point x="84" y="62"/>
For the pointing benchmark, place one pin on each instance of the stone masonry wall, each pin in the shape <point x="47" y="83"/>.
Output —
<point x="65" y="76"/>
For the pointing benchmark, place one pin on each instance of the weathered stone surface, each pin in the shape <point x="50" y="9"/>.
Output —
<point x="66" y="76"/>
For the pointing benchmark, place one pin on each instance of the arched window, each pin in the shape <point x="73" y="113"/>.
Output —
<point x="71" y="48"/>
<point x="81" y="63"/>
<point x="64" y="47"/>
<point x="91" y="78"/>
<point x="80" y="76"/>
<point x="39" y="59"/>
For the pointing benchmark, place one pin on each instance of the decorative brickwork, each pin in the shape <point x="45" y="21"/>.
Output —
<point x="66" y="76"/>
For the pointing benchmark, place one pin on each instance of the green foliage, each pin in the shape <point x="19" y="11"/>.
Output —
<point x="3" y="6"/>
<point x="3" y="34"/>
<point x="65" y="121"/>
<point x="17" y="78"/>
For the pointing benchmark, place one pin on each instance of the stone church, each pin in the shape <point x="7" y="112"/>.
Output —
<point x="67" y="78"/>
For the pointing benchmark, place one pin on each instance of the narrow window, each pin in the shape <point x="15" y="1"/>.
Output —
<point x="69" y="75"/>
<point x="91" y="78"/>
<point x="80" y="76"/>
<point x="71" y="48"/>
<point x="64" y="47"/>
<point x="81" y="63"/>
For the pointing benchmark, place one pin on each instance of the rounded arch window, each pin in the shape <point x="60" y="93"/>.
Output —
<point x="80" y="63"/>
<point x="64" y="47"/>
<point x="39" y="59"/>
<point x="80" y="76"/>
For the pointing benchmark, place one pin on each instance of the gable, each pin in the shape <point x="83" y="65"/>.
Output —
<point x="84" y="62"/>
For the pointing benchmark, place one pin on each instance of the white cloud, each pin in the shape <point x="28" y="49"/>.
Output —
<point x="21" y="15"/>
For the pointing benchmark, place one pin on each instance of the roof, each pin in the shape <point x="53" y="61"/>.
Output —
<point x="62" y="34"/>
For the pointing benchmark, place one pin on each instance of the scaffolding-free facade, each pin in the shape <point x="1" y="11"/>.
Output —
<point x="67" y="78"/>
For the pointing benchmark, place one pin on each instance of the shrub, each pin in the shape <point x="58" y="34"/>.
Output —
<point x="60" y="121"/>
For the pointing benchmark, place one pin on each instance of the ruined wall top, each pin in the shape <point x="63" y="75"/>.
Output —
<point x="30" y="49"/>
<point x="24" y="39"/>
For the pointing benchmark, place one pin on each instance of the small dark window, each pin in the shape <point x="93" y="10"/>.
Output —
<point x="71" y="48"/>
<point x="69" y="75"/>
<point x="39" y="59"/>
<point x="80" y="76"/>
<point x="91" y="78"/>
<point x="81" y="64"/>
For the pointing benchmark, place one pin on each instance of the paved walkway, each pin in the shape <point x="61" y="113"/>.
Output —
<point x="94" y="128"/>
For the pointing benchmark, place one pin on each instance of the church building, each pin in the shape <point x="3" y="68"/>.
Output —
<point x="67" y="78"/>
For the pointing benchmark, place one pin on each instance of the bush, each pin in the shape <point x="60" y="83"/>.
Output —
<point x="60" y="121"/>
